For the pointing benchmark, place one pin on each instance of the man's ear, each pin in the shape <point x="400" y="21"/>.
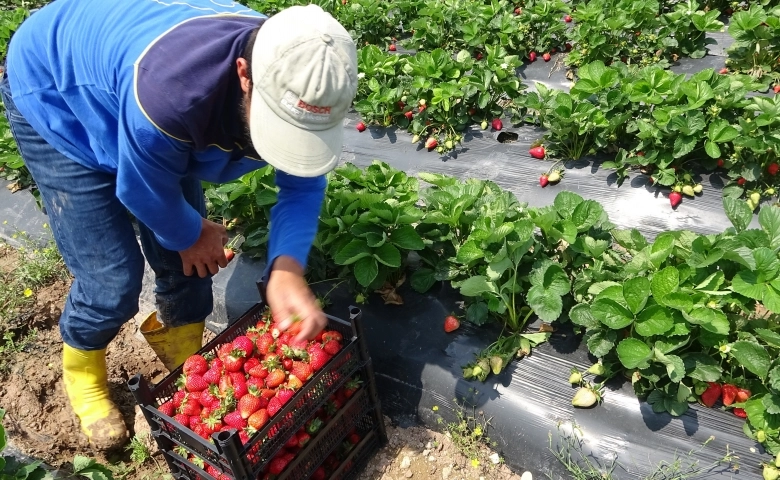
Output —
<point x="244" y="76"/>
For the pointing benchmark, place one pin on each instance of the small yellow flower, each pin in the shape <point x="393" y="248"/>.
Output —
<point x="28" y="292"/>
<point x="45" y="225"/>
<point x="435" y="408"/>
<point x="478" y="432"/>
<point x="474" y="462"/>
<point x="5" y="222"/>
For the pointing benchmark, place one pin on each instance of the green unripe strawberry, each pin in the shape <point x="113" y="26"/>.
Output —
<point x="597" y="369"/>
<point x="576" y="377"/>
<point x="585" y="397"/>
<point x="761" y="436"/>
<point x="697" y="188"/>
<point x="416" y="139"/>
<point x="688" y="190"/>
<point x="770" y="191"/>
<point x="677" y="189"/>
<point x="403" y="99"/>
<point x="687" y="177"/>
<point x="448" y="144"/>
<point x="484" y="124"/>
<point x="777" y="460"/>
<point x="440" y="149"/>
<point x="554" y="176"/>
<point x="496" y="364"/>
<point x="468" y="372"/>
<point x="755" y="197"/>
<point x="770" y="472"/>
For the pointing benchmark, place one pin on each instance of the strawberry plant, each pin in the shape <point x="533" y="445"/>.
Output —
<point x="756" y="48"/>
<point x="542" y="26"/>
<point x="368" y="21"/>
<point x="366" y="223"/>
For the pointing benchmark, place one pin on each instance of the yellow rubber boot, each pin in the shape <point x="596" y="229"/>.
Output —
<point x="85" y="377"/>
<point x="173" y="345"/>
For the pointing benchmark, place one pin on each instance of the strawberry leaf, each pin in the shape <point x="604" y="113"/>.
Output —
<point x="653" y="320"/>
<point x="581" y="315"/>
<point x="612" y="314"/>
<point x="366" y="270"/>
<point x="633" y="353"/>
<point x="600" y="342"/>
<point x="752" y="356"/>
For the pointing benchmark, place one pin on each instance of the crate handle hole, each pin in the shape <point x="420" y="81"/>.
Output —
<point x="133" y="382"/>
<point x="223" y="436"/>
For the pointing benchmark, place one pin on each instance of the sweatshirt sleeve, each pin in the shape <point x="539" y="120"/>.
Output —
<point x="295" y="217"/>
<point x="150" y="168"/>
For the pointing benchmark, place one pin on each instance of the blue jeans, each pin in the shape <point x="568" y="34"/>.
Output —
<point x="94" y="233"/>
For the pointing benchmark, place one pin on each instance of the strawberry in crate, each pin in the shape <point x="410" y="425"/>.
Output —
<point x="246" y="382"/>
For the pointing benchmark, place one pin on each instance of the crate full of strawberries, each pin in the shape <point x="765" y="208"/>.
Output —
<point x="256" y="403"/>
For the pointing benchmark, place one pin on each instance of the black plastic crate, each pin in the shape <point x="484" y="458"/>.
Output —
<point x="357" y="460"/>
<point x="227" y="454"/>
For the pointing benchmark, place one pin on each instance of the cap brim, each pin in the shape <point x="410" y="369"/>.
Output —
<point x="293" y="150"/>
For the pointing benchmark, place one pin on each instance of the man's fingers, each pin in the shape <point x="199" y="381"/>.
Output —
<point x="213" y="268"/>
<point x="312" y="325"/>
<point x="201" y="270"/>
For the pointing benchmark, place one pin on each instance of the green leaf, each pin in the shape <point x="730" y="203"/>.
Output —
<point x="636" y="291"/>
<point x="389" y="255"/>
<point x="747" y="283"/>
<point x="712" y="149"/>
<point x="678" y="301"/>
<point x="582" y="316"/>
<point x="611" y="313"/>
<point x="366" y="270"/>
<point x="551" y="277"/>
<point x="469" y="252"/>
<point x="752" y="356"/>
<point x="477" y="313"/>
<point x="712" y="320"/>
<point x="565" y="203"/>
<point x="702" y="367"/>
<point x="633" y="353"/>
<point x="675" y="367"/>
<point x="774" y="378"/>
<point x="587" y="214"/>
<point x="665" y="282"/>
<point x="352" y="252"/>
<point x="407" y="238"/>
<point x="547" y="306"/>
<point x="662" y="248"/>
<point x="81" y="462"/>
<point x="601" y="342"/>
<point x="771" y="403"/>
<point x="423" y="279"/>
<point x="770" y="337"/>
<point x="769" y="219"/>
<point x="477" y="285"/>
<point x="738" y="212"/>
<point x="720" y="131"/>
<point x="654" y="320"/>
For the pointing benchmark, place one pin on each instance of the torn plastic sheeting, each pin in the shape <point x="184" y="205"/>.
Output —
<point x="418" y="367"/>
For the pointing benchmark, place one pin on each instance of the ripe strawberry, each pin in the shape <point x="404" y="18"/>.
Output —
<point x="234" y="361"/>
<point x="287" y="363"/>
<point x="742" y="395"/>
<point x="303" y="438"/>
<point x="776" y="88"/>
<point x="729" y="393"/>
<point x="259" y="372"/>
<point x="190" y="408"/>
<point x="229" y="254"/>
<point x="721" y="163"/>
<point x="278" y="465"/>
<point x="409" y="115"/>
<point x="274" y="405"/>
<point x="178" y="398"/>
<point x="543" y="181"/>
<point x="740" y="412"/>
<point x="567" y="18"/>
<point x="361" y="127"/>
<point x="275" y="378"/>
<point x="546" y="57"/>
<point x="318" y="357"/>
<point x="195" y="383"/>
<point x="711" y="395"/>
<point x="331" y="335"/>
<point x="167" y="408"/>
<point x="497" y="124"/>
<point x="250" y="364"/>
<point x="202" y="430"/>
<point x="235" y="420"/>
<point x="723" y="71"/>
<point x="247" y="405"/>
<point x="182" y="418"/>
<point x="675" y="198"/>
<point x="354" y="438"/>
<point x="741" y="181"/>
<point x="292" y="442"/>
<point x="431" y="143"/>
<point x="284" y="395"/>
<point x="568" y="46"/>
<point x="266" y="344"/>
<point x="217" y="364"/>
<point x="537" y="152"/>
<point x="451" y="323"/>
<point x="195" y="364"/>
<point x="243" y="436"/>
<point x="209" y="400"/>
<point x="212" y="376"/>
<point x="319" y="474"/>
<point x="294" y="383"/>
<point x="224" y="351"/>
<point x="331" y="347"/>
<point x="245" y="344"/>
<point x="267" y="393"/>
<point x="773" y="168"/>
<point x="302" y="370"/>
<point x="258" y="419"/>
<point x="391" y="47"/>
<point x="532" y="56"/>
<point x="351" y="387"/>
<point x="518" y="11"/>
<point x="240" y="387"/>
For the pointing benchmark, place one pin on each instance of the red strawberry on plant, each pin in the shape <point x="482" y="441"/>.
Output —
<point x="543" y="180"/>
<point x="409" y="115"/>
<point x="361" y="127"/>
<point x="497" y="124"/>
<point x="532" y="57"/>
<point x="742" y="395"/>
<point x="568" y="46"/>
<point x="776" y="88"/>
<point x="431" y="143"/>
<point x="195" y="364"/>
<point x="546" y="57"/>
<point x="675" y="198"/>
<point x="723" y="71"/>
<point x="537" y="152"/>
<point x="741" y="181"/>
<point x="391" y="47"/>
<point x="721" y="163"/>
<point x="740" y="412"/>
<point x="567" y="18"/>
<point x="711" y="394"/>
<point x="728" y="394"/>
<point x="451" y="323"/>
<point x="773" y="168"/>
<point x="518" y="11"/>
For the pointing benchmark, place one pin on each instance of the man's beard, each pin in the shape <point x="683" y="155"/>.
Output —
<point x="242" y="114"/>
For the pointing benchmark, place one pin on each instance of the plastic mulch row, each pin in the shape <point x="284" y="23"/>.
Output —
<point x="226" y="453"/>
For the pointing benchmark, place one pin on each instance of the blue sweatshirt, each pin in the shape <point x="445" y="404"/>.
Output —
<point x="148" y="90"/>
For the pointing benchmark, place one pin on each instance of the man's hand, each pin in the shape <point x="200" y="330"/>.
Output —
<point x="207" y="255"/>
<point x="291" y="299"/>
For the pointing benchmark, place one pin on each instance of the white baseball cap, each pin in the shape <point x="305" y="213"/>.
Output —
<point x="304" y="75"/>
